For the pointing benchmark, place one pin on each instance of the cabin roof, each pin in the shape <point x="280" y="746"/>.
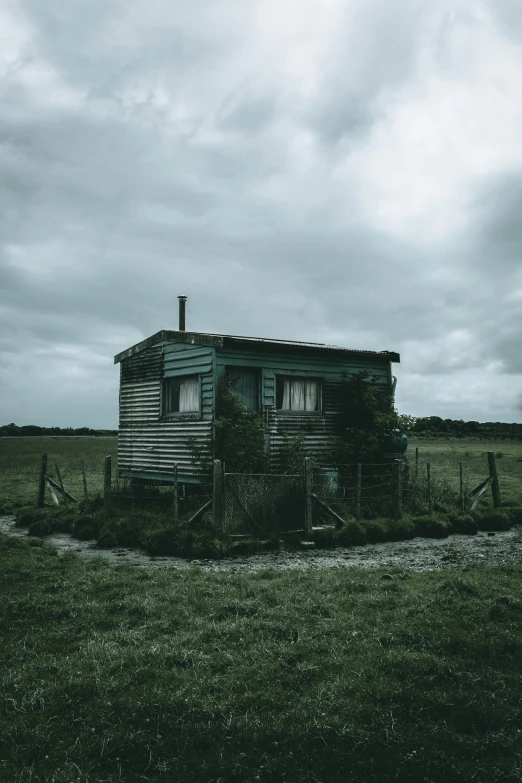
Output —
<point x="255" y="343"/>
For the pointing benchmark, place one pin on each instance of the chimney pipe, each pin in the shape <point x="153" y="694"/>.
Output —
<point x="182" y="300"/>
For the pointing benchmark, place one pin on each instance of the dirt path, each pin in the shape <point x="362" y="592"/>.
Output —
<point x="420" y="554"/>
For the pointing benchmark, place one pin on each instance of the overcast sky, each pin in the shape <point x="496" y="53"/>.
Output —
<point x="341" y="171"/>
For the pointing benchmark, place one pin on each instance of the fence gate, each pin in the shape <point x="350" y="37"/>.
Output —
<point x="262" y="505"/>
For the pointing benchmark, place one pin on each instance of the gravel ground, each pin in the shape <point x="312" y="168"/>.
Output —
<point x="420" y="554"/>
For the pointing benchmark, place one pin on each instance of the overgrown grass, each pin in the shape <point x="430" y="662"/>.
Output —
<point x="135" y="675"/>
<point x="20" y="465"/>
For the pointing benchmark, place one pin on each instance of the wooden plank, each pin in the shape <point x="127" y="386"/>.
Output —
<point x="495" y="489"/>
<point x="175" y="499"/>
<point x="107" y="470"/>
<point x="60" y="482"/>
<point x="85" y="493"/>
<point x="41" y="483"/>
<point x="481" y="491"/>
<point x="61" y="489"/>
<point x="308" y="496"/>
<point x="428" y="479"/>
<point x="332" y="513"/>
<point x="200" y="512"/>
<point x="398" y="489"/>
<point x="218" y="506"/>
<point x="358" y="492"/>
<point x="52" y="492"/>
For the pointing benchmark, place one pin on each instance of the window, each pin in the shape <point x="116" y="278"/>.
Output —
<point x="246" y="385"/>
<point x="298" y="394"/>
<point x="182" y="395"/>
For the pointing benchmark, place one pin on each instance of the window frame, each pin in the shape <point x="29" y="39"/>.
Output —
<point x="180" y="415"/>
<point x="295" y="375"/>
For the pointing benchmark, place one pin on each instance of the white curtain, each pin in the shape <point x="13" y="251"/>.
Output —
<point x="286" y="395"/>
<point x="300" y="395"/>
<point x="189" y="396"/>
<point x="297" y="396"/>
<point x="311" y="395"/>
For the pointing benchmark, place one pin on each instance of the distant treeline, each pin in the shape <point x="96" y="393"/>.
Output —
<point x="433" y="426"/>
<point x="428" y="427"/>
<point x="12" y="430"/>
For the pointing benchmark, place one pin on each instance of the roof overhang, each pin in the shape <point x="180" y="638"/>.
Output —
<point x="254" y="343"/>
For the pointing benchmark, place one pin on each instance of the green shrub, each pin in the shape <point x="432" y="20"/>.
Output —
<point x="376" y="530"/>
<point x="464" y="524"/>
<point x="26" y="515"/>
<point x="351" y="534"/>
<point x="515" y="515"/>
<point x="42" y="527"/>
<point x="432" y="527"/>
<point x="494" y="520"/>
<point x="106" y="540"/>
<point x="92" y="504"/>
<point x="125" y="531"/>
<point x="162" y="540"/>
<point x="86" y="526"/>
<point x="400" y="529"/>
<point x="201" y="544"/>
<point x="325" y="537"/>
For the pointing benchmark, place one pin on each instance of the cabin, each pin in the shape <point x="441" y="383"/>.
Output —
<point x="169" y="382"/>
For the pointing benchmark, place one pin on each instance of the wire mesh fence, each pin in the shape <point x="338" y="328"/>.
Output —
<point x="179" y="502"/>
<point x="351" y="491"/>
<point x="263" y="504"/>
<point x="266" y="503"/>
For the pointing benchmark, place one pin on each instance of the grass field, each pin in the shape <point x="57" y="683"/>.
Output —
<point x="20" y="465"/>
<point x="445" y="455"/>
<point x="120" y="674"/>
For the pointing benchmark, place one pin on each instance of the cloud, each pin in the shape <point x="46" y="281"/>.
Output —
<point x="347" y="173"/>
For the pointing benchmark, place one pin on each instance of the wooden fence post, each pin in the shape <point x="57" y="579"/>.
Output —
<point x="107" y="475"/>
<point x="60" y="482"/>
<point x="495" y="489"/>
<point x="416" y="462"/>
<point x="218" y="505"/>
<point x="358" y="492"/>
<point x="84" y="481"/>
<point x="461" y="494"/>
<point x="308" y="497"/>
<point x="428" y="477"/>
<point x="175" y="509"/>
<point x="398" y="489"/>
<point x="41" y="485"/>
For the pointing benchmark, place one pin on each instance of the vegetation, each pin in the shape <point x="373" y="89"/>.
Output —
<point x="20" y="466"/>
<point x="434" y="426"/>
<point x="239" y="434"/>
<point x="368" y="419"/>
<point x="145" y="518"/>
<point x="112" y="674"/>
<point x="32" y="430"/>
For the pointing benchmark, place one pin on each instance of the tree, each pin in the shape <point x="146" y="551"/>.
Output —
<point x="239" y="434"/>
<point x="369" y="417"/>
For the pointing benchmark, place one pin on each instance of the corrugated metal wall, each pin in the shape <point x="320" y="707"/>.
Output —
<point x="149" y="445"/>
<point x="318" y="430"/>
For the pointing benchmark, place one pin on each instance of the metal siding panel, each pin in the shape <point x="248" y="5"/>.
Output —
<point x="157" y="448"/>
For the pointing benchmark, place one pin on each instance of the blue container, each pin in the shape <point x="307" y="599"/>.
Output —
<point x="396" y="442"/>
